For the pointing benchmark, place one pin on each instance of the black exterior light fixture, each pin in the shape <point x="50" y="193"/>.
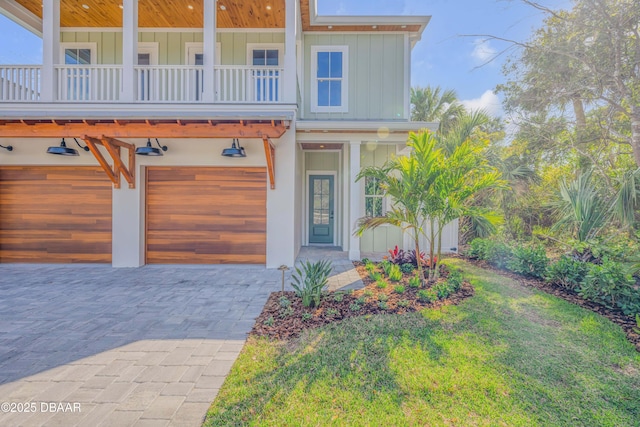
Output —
<point x="150" y="150"/>
<point x="63" y="150"/>
<point x="235" y="151"/>
<point x="8" y="147"/>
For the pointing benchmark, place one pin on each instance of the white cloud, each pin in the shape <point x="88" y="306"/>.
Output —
<point x="483" y="52"/>
<point x="488" y="101"/>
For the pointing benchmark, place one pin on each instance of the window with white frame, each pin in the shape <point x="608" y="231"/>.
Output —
<point x="329" y="79"/>
<point x="373" y="197"/>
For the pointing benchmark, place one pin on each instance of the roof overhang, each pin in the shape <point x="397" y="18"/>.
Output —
<point x="355" y="126"/>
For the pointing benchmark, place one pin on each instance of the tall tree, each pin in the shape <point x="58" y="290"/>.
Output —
<point x="435" y="105"/>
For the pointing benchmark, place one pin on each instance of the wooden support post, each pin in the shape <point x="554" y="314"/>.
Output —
<point x="270" y="153"/>
<point x="113" y="147"/>
<point x="92" y="144"/>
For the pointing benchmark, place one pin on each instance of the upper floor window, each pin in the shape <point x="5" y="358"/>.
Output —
<point x="78" y="53"/>
<point x="329" y="82"/>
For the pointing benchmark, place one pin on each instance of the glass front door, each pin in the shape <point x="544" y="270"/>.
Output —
<point x="321" y="218"/>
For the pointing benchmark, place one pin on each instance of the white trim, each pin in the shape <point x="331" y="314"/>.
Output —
<point x="166" y="30"/>
<point x="344" y="107"/>
<point x="266" y="46"/>
<point x="356" y="201"/>
<point x="346" y="33"/>
<point x="362" y="126"/>
<point x="21" y="16"/>
<point x="193" y="48"/>
<point x="151" y="48"/>
<point x="93" y="46"/>
<point x="337" y="206"/>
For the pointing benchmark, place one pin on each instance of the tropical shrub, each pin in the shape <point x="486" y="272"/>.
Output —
<point x="414" y="282"/>
<point x="413" y="259"/>
<point x="386" y="266"/>
<point x="530" y="261"/>
<point x="478" y="249"/>
<point x="399" y="289"/>
<point x="567" y="272"/>
<point x="375" y="276"/>
<point x="612" y="285"/>
<point x="309" y="279"/>
<point x="454" y="280"/>
<point x="442" y="290"/>
<point x="427" y="295"/>
<point x="370" y="267"/>
<point x="398" y="256"/>
<point x="407" y="268"/>
<point x="381" y="284"/>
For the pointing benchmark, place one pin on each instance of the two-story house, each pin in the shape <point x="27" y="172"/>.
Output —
<point x="267" y="112"/>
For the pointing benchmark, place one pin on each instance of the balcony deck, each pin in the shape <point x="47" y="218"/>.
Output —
<point x="154" y="84"/>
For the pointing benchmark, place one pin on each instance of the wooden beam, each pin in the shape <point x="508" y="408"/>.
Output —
<point x="120" y="129"/>
<point x="270" y="153"/>
<point x="114" y="152"/>
<point x="91" y="143"/>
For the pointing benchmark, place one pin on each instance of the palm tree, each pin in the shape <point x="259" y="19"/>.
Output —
<point x="433" y="105"/>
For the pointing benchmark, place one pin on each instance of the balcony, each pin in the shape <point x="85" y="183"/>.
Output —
<point x="154" y="84"/>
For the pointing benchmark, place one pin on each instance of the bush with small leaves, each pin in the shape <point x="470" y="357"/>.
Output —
<point x="386" y="266"/>
<point x="395" y="274"/>
<point x="567" y="272"/>
<point x="427" y="295"/>
<point x="363" y="299"/>
<point x="381" y="284"/>
<point x="366" y="261"/>
<point x="383" y="297"/>
<point x="612" y="284"/>
<point x="370" y="267"/>
<point x="414" y="282"/>
<point x="403" y="303"/>
<point x="530" y="261"/>
<point x="338" y="297"/>
<point x="355" y="307"/>
<point x="306" y="317"/>
<point x="383" y="305"/>
<point x="286" y="312"/>
<point x="368" y="293"/>
<point x="407" y="268"/>
<point x="454" y="280"/>
<point x="284" y="302"/>
<point x="399" y="289"/>
<point x="442" y="290"/>
<point x="269" y="321"/>
<point x="332" y="312"/>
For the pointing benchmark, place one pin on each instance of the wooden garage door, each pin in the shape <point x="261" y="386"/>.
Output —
<point x="199" y="215"/>
<point x="54" y="214"/>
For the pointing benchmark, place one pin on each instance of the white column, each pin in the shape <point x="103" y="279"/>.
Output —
<point x="209" y="51"/>
<point x="50" y="49"/>
<point x="127" y="236"/>
<point x="290" y="77"/>
<point x="355" y="200"/>
<point x="129" y="49"/>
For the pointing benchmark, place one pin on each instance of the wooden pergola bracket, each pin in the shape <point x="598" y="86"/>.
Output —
<point x="113" y="147"/>
<point x="270" y="153"/>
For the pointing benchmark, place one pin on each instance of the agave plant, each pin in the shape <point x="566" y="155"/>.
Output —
<point x="309" y="280"/>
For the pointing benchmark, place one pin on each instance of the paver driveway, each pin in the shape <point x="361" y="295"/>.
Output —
<point x="146" y="346"/>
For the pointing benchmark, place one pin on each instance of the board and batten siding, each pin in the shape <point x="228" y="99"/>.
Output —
<point x="376" y="64"/>
<point x="171" y="45"/>
<point x="385" y="237"/>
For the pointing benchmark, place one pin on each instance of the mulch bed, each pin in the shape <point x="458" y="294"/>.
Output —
<point x="628" y="323"/>
<point x="280" y="322"/>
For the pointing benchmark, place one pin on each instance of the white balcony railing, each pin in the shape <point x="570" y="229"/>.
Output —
<point x="19" y="83"/>
<point x="89" y="83"/>
<point x="154" y="83"/>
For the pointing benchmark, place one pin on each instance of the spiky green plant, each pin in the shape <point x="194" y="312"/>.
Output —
<point x="309" y="279"/>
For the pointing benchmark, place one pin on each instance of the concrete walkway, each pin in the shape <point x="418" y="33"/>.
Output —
<point x="96" y="346"/>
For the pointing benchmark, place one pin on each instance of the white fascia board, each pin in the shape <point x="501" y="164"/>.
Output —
<point x="362" y="126"/>
<point x="21" y="16"/>
<point x="343" y="20"/>
<point x="42" y="111"/>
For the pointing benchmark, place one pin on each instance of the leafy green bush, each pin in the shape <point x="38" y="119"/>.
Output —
<point x="407" y="268"/>
<point x="414" y="282"/>
<point x="366" y="261"/>
<point x="494" y="251"/>
<point x="395" y="274"/>
<point x="355" y="306"/>
<point x="612" y="284"/>
<point x="442" y="290"/>
<point x="405" y="303"/>
<point x="375" y="276"/>
<point x="270" y="321"/>
<point x="530" y="261"/>
<point x="398" y="289"/>
<point x="386" y="266"/>
<point x="383" y="305"/>
<point x="332" y="312"/>
<point x="383" y="297"/>
<point x="381" y="284"/>
<point x="309" y="279"/>
<point x="370" y="267"/>
<point x="368" y="293"/>
<point x="478" y="249"/>
<point x="284" y="302"/>
<point x="427" y="295"/>
<point x="567" y="272"/>
<point x="306" y="317"/>
<point x="454" y="280"/>
<point x="338" y="297"/>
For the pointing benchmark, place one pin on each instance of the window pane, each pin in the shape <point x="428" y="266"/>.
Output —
<point x="259" y="57"/>
<point x="323" y="93"/>
<point x="336" y="64"/>
<point x="335" y="93"/>
<point x="71" y="56"/>
<point x="84" y="56"/>
<point x="323" y="64"/>
<point x="199" y="59"/>
<point x="272" y="57"/>
<point x="144" y="59"/>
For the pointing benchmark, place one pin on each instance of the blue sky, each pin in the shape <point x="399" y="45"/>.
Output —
<point x="444" y="57"/>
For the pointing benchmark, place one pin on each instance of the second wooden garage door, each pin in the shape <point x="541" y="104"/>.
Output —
<point x="206" y="215"/>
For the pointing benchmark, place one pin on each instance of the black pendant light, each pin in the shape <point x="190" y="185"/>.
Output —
<point x="150" y="150"/>
<point x="235" y="151"/>
<point x="63" y="150"/>
<point x="8" y="147"/>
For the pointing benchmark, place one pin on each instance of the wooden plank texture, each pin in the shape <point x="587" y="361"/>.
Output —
<point x="53" y="214"/>
<point x="206" y="215"/>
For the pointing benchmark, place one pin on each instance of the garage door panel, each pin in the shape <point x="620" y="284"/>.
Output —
<point x="55" y="214"/>
<point x="206" y="215"/>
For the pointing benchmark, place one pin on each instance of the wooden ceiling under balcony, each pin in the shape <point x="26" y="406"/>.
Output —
<point x="167" y="14"/>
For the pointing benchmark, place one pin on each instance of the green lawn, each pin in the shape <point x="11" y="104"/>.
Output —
<point x="508" y="356"/>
